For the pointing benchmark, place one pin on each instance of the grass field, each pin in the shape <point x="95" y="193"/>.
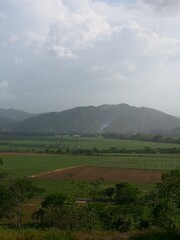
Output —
<point x="30" y="164"/>
<point x="23" y="165"/>
<point x="11" y="143"/>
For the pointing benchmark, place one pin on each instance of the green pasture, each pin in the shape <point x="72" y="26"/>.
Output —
<point x="23" y="165"/>
<point x="12" y="143"/>
<point x="27" y="165"/>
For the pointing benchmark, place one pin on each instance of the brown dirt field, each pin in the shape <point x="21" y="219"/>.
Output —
<point x="110" y="174"/>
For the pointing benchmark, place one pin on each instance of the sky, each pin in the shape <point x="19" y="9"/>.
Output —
<point x="59" y="54"/>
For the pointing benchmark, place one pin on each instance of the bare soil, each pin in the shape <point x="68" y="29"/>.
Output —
<point x="86" y="172"/>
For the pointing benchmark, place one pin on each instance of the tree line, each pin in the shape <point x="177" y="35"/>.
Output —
<point x="144" y="137"/>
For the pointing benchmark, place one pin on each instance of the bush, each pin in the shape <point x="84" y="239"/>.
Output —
<point x="65" y="215"/>
<point x="126" y="194"/>
<point x="165" y="201"/>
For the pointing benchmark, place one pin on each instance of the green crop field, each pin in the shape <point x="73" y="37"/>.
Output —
<point x="23" y="165"/>
<point x="27" y="165"/>
<point x="12" y="143"/>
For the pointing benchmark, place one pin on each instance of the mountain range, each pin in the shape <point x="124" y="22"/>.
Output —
<point x="11" y="116"/>
<point x="121" y="118"/>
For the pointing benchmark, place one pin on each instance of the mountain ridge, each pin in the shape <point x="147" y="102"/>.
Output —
<point x="15" y="115"/>
<point x="120" y="118"/>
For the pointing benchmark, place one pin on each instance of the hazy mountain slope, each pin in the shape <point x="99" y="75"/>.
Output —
<point x="74" y="120"/>
<point x="15" y="115"/>
<point x="174" y="132"/>
<point x="120" y="118"/>
<point x="133" y="119"/>
<point x="5" y="121"/>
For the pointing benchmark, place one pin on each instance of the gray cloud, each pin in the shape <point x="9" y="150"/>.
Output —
<point x="60" y="54"/>
<point x="4" y="91"/>
<point x="163" y="4"/>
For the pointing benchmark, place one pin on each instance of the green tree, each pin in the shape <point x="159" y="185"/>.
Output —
<point x="63" y="213"/>
<point x="13" y="195"/>
<point x="109" y="193"/>
<point x="1" y="161"/>
<point x="6" y="203"/>
<point x="126" y="194"/>
<point x="165" y="201"/>
<point x="56" y="199"/>
<point x="3" y="175"/>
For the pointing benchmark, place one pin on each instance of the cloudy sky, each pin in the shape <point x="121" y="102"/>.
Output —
<point x="58" y="54"/>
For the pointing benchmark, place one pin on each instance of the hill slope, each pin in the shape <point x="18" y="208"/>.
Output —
<point x="15" y="115"/>
<point x="120" y="118"/>
<point x="4" y="121"/>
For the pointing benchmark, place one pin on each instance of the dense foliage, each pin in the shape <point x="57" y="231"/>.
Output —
<point x="120" y="208"/>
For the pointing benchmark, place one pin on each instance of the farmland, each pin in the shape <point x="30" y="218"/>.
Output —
<point x="82" y="175"/>
<point x="30" y="164"/>
<point x="15" y="143"/>
<point x="21" y="161"/>
<point x="85" y="172"/>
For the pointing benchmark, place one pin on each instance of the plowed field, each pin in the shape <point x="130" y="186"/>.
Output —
<point x="86" y="172"/>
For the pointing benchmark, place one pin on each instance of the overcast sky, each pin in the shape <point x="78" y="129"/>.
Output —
<point x="58" y="54"/>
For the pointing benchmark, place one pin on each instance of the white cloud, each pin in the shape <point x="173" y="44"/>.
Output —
<point x="66" y="28"/>
<point x="26" y="94"/>
<point x="4" y="94"/>
<point x="18" y="60"/>
<point x="115" y="76"/>
<point x="35" y="40"/>
<point x="154" y="42"/>
<point x="13" y="38"/>
<point x="61" y="52"/>
<point x="1" y="15"/>
<point x="96" y="68"/>
<point x="130" y="67"/>
<point x="107" y="73"/>
<point x="79" y="30"/>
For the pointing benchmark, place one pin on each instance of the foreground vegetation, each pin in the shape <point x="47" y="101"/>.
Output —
<point x="33" y="234"/>
<point x="122" y="208"/>
<point x="108" y="210"/>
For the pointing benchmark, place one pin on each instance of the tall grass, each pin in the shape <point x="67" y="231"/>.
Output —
<point x="156" y="235"/>
<point x="32" y="234"/>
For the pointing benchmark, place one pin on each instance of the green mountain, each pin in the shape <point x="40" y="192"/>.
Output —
<point x="15" y="115"/>
<point x="174" y="132"/>
<point x="120" y="118"/>
<point x="4" y="121"/>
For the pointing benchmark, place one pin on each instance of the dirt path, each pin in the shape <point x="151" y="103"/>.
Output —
<point x="55" y="171"/>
